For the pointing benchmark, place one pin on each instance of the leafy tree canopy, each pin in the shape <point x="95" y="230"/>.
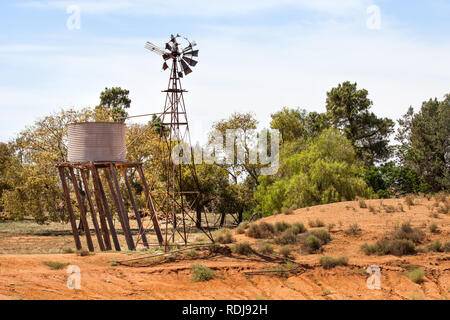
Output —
<point x="326" y="171"/>
<point x="349" y="110"/>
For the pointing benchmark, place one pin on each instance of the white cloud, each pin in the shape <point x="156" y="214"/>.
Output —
<point x="291" y="69"/>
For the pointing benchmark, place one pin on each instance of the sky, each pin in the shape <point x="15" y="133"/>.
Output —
<point x="255" y="55"/>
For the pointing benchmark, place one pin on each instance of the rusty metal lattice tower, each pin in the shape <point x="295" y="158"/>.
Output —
<point x="175" y="208"/>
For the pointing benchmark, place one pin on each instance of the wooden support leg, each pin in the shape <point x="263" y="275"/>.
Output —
<point x="82" y="211"/>
<point x="92" y="210"/>
<point x="150" y="205"/>
<point x="73" y="223"/>
<point x="101" y="192"/>
<point x="101" y="212"/>
<point x="117" y="197"/>
<point x="136" y="211"/>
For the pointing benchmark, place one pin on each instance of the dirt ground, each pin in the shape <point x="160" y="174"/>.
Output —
<point x="25" y="276"/>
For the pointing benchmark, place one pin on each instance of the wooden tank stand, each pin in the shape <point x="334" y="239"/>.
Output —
<point x="105" y="230"/>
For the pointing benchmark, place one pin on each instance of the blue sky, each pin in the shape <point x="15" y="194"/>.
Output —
<point x="255" y="55"/>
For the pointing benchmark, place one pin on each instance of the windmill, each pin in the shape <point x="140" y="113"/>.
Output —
<point x="179" y="56"/>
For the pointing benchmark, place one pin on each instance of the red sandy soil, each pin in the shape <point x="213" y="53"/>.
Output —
<point x="26" y="277"/>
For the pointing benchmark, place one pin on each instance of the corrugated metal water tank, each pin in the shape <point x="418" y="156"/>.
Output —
<point x="97" y="141"/>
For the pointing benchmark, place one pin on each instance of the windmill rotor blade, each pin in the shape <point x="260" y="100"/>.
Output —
<point x="193" y="53"/>
<point x="150" y="46"/>
<point x="190" y="61"/>
<point x="166" y="56"/>
<point x="188" y="48"/>
<point x="165" y="66"/>
<point x="168" y="47"/>
<point x="185" y="67"/>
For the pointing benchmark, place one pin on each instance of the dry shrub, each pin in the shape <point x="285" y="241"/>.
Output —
<point x="223" y="236"/>
<point x="436" y="247"/>
<point x="446" y="247"/>
<point x="444" y="208"/>
<point x="298" y="228"/>
<point x="243" y="248"/>
<point x="406" y="232"/>
<point x="322" y="235"/>
<point x="312" y="244"/>
<point x="281" y="227"/>
<point x="55" y="265"/>
<point x="285" y="251"/>
<point x="83" y="253"/>
<point x="287" y="237"/>
<point x="330" y="262"/>
<point x="201" y="273"/>
<point x="409" y="200"/>
<point x="242" y="227"/>
<point x="440" y="197"/>
<point x="362" y="203"/>
<point x="416" y="275"/>
<point x="288" y="211"/>
<point x="265" y="248"/>
<point x="262" y="230"/>
<point x="353" y="230"/>
<point x="316" y="224"/>
<point x="390" y="209"/>
<point x="386" y="246"/>
<point x="372" y="209"/>
<point x="434" y="228"/>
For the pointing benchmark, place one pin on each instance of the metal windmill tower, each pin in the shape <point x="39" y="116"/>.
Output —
<point x="178" y="56"/>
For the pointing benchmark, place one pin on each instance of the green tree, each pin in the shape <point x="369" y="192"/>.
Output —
<point x="392" y="180"/>
<point x="325" y="171"/>
<point x="349" y="110"/>
<point x="34" y="187"/>
<point x="295" y="124"/>
<point x="429" y="140"/>
<point x="116" y="99"/>
<point x="246" y="124"/>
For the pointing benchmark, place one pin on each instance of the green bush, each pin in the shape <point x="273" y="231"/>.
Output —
<point x="312" y="244"/>
<point x="330" y="262"/>
<point x="262" y="230"/>
<point x="201" y="273"/>
<point x="416" y="275"/>
<point x="243" y="248"/>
